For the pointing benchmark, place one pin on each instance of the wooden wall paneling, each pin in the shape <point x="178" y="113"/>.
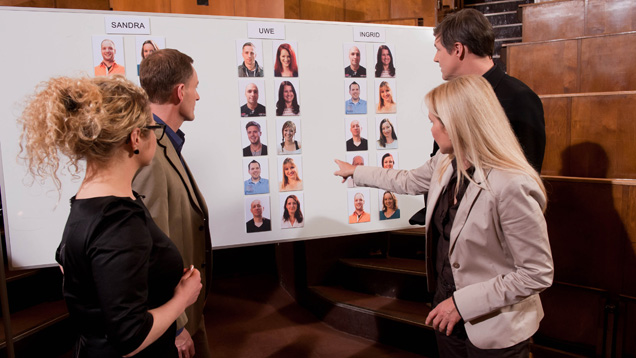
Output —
<point x="546" y="67"/>
<point x="327" y="10"/>
<point x="273" y="9"/>
<point x="292" y="9"/>
<point x="557" y="127"/>
<point x="573" y="319"/>
<point x="608" y="63"/>
<point x="28" y="3"/>
<point x="403" y="22"/>
<point x="364" y="10"/>
<point x="586" y="232"/>
<point x="84" y="4"/>
<point x="424" y="9"/>
<point x="141" y="5"/>
<point x="609" y="122"/>
<point x="553" y="20"/>
<point x="610" y="16"/>
<point x="629" y="260"/>
<point x="215" y="7"/>
<point x="625" y="342"/>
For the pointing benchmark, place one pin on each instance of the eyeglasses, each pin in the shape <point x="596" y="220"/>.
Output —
<point x="159" y="129"/>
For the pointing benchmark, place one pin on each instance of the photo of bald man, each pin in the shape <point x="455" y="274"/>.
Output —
<point x="252" y="93"/>
<point x="354" y="59"/>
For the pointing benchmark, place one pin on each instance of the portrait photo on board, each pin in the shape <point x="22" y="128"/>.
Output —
<point x="359" y="205"/>
<point x="257" y="214"/>
<point x="288" y="136"/>
<point x="354" y="59"/>
<point x="255" y="175"/>
<point x="356" y="134"/>
<point x="388" y="204"/>
<point x="285" y="58"/>
<point x="388" y="159"/>
<point x="386" y="127"/>
<point x="145" y="45"/>
<point x="108" y="55"/>
<point x="384" y="62"/>
<point x="287" y="101"/>
<point x="356" y="158"/>
<point x="251" y="93"/>
<point x="290" y="172"/>
<point x="355" y="94"/>
<point x="254" y="136"/>
<point x="291" y="205"/>
<point x="385" y="95"/>
<point x="249" y="58"/>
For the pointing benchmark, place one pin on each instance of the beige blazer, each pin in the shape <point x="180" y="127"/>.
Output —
<point x="499" y="249"/>
<point x="178" y="207"/>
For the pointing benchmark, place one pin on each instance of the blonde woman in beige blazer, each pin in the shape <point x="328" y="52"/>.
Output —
<point x="498" y="249"/>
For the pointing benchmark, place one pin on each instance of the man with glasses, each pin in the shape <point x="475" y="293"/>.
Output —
<point x="168" y="187"/>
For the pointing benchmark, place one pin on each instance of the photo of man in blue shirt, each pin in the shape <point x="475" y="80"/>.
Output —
<point x="355" y="104"/>
<point x="255" y="184"/>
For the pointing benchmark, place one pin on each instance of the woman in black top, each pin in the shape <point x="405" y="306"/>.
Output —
<point x="124" y="281"/>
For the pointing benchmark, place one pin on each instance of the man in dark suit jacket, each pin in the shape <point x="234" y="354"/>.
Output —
<point x="465" y="43"/>
<point x="168" y="187"/>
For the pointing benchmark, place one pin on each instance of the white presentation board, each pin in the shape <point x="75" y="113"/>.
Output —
<point x="39" y="44"/>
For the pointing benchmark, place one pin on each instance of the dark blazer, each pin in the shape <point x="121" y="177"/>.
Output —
<point x="248" y="153"/>
<point x="525" y="113"/>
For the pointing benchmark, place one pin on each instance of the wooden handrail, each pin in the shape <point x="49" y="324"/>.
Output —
<point x="614" y="181"/>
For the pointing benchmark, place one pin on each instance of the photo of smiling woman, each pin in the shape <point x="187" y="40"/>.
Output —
<point x="290" y="173"/>
<point x="389" y="205"/>
<point x="287" y="104"/>
<point x="385" y="101"/>
<point x="292" y="212"/>
<point x="387" y="138"/>
<point x="146" y="45"/>
<point x="384" y="65"/>
<point x="285" y="64"/>
<point x="289" y="142"/>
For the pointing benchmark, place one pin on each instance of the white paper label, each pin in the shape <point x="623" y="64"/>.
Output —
<point x="266" y="30"/>
<point x="369" y="34"/>
<point x="137" y="25"/>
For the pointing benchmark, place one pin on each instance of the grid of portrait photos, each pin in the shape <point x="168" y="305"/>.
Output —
<point x="253" y="73"/>
<point x="108" y="53"/>
<point x="358" y="78"/>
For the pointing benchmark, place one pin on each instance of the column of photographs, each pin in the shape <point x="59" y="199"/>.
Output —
<point x="288" y="134"/>
<point x="356" y="123"/>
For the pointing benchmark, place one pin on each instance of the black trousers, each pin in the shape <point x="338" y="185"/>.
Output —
<point x="455" y="347"/>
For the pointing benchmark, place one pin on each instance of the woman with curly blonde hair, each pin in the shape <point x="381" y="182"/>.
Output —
<point x="124" y="282"/>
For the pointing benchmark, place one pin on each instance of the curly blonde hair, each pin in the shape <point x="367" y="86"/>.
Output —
<point x="80" y="118"/>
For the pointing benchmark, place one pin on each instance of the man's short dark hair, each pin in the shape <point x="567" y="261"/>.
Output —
<point x="161" y="71"/>
<point x="252" y="162"/>
<point x="353" y="83"/>
<point x="253" y="124"/>
<point x="468" y="27"/>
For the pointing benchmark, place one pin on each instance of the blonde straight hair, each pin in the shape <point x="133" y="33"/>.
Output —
<point x="478" y="129"/>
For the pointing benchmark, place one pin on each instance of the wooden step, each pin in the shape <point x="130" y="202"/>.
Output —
<point x="584" y="64"/>
<point x="549" y="20"/>
<point x="413" y="313"/>
<point x="390" y="264"/>
<point x="34" y="319"/>
<point x="590" y="135"/>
